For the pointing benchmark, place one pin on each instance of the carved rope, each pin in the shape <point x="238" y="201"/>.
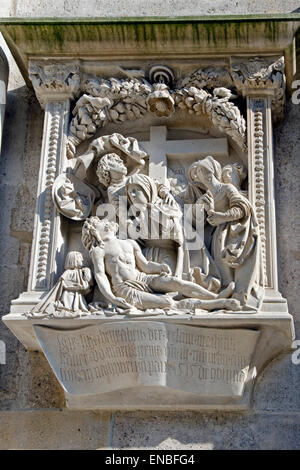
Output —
<point x="258" y="141"/>
<point x="45" y="233"/>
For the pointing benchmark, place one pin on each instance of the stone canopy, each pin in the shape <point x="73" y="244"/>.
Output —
<point x="156" y="98"/>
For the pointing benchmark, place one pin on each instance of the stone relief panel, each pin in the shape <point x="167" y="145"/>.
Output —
<point x="172" y="227"/>
<point x="152" y="236"/>
<point x="109" y="189"/>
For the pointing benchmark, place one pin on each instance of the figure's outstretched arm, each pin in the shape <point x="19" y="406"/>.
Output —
<point x="102" y="280"/>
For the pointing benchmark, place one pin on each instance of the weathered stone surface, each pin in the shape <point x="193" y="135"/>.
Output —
<point x="107" y="8"/>
<point x="205" y="362"/>
<point x="277" y="387"/>
<point x="26" y="380"/>
<point x="54" y="430"/>
<point x="260" y="431"/>
<point x="13" y="279"/>
<point x="287" y="188"/>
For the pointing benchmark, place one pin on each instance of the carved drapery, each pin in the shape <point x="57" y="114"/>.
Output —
<point x="118" y="100"/>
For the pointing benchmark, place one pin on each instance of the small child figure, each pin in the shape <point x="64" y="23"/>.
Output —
<point x="66" y="299"/>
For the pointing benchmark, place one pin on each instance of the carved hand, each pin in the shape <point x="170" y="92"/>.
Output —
<point x="208" y="201"/>
<point x="215" y="218"/>
<point x="165" y="270"/>
<point x="170" y="200"/>
<point x="119" y="302"/>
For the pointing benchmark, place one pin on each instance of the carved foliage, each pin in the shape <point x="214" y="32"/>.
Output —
<point x="208" y="77"/>
<point x="120" y="100"/>
<point x="106" y="101"/>
<point x="49" y="79"/>
<point x="258" y="74"/>
<point x="224" y="114"/>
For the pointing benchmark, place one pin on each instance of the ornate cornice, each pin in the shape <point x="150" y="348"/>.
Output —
<point x="260" y="76"/>
<point x="205" y="91"/>
<point x="54" y="80"/>
<point x="258" y="73"/>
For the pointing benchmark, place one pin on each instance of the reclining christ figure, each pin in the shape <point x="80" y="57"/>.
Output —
<point x="127" y="279"/>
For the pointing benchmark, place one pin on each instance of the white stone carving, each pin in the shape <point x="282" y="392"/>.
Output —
<point x="127" y="279"/>
<point x="259" y="174"/>
<point x="50" y="79"/>
<point x="94" y="165"/>
<point x="119" y="100"/>
<point x="201" y="362"/>
<point x="255" y="73"/>
<point x="220" y="284"/>
<point x="51" y="153"/>
<point x="66" y="298"/>
<point x="160" y="101"/>
<point x="224" y="114"/>
<point x="72" y="197"/>
<point x="258" y="74"/>
<point x="55" y="84"/>
<point x="235" y="245"/>
<point x="208" y="78"/>
<point x="104" y="101"/>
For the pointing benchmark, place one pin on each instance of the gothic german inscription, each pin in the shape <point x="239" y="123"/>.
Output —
<point x="116" y="356"/>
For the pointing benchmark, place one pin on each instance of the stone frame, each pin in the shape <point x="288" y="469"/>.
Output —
<point x="264" y="89"/>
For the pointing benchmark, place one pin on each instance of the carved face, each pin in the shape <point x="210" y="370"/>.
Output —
<point x="204" y="176"/>
<point x="227" y="174"/>
<point x="233" y="174"/>
<point x="106" y="229"/>
<point x="74" y="259"/>
<point x="117" y="168"/>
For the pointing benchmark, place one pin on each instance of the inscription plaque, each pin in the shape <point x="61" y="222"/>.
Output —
<point x="118" y="356"/>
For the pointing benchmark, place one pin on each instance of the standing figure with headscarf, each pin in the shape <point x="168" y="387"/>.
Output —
<point x="159" y="221"/>
<point x="235" y="245"/>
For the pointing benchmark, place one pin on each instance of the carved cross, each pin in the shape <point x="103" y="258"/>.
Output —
<point x="159" y="149"/>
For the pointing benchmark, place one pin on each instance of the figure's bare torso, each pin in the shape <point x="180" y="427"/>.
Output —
<point x="119" y="261"/>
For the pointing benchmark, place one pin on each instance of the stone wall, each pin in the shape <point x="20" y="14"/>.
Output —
<point x="117" y="8"/>
<point x="32" y="413"/>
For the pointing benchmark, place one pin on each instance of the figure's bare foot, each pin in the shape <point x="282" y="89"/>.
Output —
<point x="218" y="304"/>
<point x="232" y="304"/>
<point x="227" y="292"/>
